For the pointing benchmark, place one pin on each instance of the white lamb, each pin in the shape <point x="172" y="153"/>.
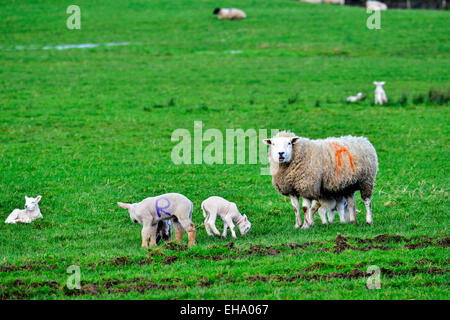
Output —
<point x="27" y="215"/>
<point x="229" y="14"/>
<point x="229" y="213"/>
<point x="380" y="95"/>
<point x="150" y="211"/>
<point x="376" y="5"/>
<point x="356" y="98"/>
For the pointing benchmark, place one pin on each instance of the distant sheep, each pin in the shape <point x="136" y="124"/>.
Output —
<point x="229" y="14"/>
<point x="151" y="210"/>
<point x="323" y="169"/>
<point x="376" y="5"/>
<point x="27" y="215"/>
<point x="360" y="96"/>
<point x="229" y="213"/>
<point x="341" y="2"/>
<point x="380" y="94"/>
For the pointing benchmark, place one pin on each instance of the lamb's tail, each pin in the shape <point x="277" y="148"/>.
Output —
<point x="204" y="211"/>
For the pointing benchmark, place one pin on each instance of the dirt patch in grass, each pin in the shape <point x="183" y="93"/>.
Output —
<point x="27" y="267"/>
<point x="424" y="261"/>
<point x="170" y="259"/>
<point x="353" y="274"/>
<point x="263" y="250"/>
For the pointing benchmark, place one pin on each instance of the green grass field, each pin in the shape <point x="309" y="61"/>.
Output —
<point x="86" y="128"/>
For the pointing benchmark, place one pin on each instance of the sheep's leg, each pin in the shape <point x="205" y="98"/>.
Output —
<point x="187" y="225"/>
<point x="225" y="228"/>
<point x="340" y="207"/>
<point x="296" y="205"/>
<point x="191" y="234"/>
<point x="308" y="212"/>
<point x="212" y="222"/>
<point x="145" y="233"/>
<point x="152" y="233"/>
<point x="230" y="224"/>
<point x="368" y="204"/>
<point x="178" y="231"/>
<point x="322" y="214"/>
<point x="206" y="223"/>
<point x="351" y="209"/>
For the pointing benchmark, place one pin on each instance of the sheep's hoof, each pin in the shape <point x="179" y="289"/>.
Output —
<point x="297" y="226"/>
<point x="306" y="226"/>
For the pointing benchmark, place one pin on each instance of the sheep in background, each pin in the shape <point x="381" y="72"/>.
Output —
<point x="27" y="215"/>
<point x="341" y="2"/>
<point x="151" y="210"/>
<point x="376" y="5"/>
<point x="380" y="95"/>
<point x="229" y="14"/>
<point x="229" y="213"/>
<point x="322" y="169"/>
<point x="360" y="96"/>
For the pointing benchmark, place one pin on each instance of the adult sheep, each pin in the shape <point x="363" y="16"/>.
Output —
<point x="322" y="169"/>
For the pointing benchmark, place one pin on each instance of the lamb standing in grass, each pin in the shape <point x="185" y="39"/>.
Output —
<point x="323" y="169"/>
<point x="27" y="215"/>
<point x="229" y="14"/>
<point x="151" y="210"/>
<point x="380" y="95"/>
<point x="229" y="213"/>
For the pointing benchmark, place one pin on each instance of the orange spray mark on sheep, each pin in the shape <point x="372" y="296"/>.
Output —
<point x="338" y="150"/>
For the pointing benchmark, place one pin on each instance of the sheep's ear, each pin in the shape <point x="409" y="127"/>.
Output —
<point x="124" y="205"/>
<point x="26" y="198"/>
<point x="245" y="217"/>
<point x="294" y="140"/>
<point x="382" y="83"/>
<point x="267" y="141"/>
<point x="38" y="198"/>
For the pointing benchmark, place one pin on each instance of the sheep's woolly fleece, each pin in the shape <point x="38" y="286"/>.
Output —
<point x="326" y="168"/>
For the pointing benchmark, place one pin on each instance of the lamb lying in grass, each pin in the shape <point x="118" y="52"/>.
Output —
<point x="229" y="14"/>
<point x="376" y="5"/>
<point x="27" y="215"/>
<point x="151" y="210"/>
<point x="356" y="98"/>
<point x="229" y="213"/>
<point x="380" y="94"/>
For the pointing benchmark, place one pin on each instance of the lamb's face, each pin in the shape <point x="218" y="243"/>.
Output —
<point x="281" y="148"/>
<point x="131" y="210"/>
<point x="31" y="203"/>
<point x="245" y="226"/>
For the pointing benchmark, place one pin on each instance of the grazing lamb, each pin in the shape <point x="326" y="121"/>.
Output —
<point x="376" y="5"/>
<point x="329" y="168"/>
<point x="229" y="14"/>
<point x="229" y="213"/>
<point x="27" y="215"/>
<point x="380" y="95"/>
<point x="356" y="98"/>
<point x="151" y="210"/>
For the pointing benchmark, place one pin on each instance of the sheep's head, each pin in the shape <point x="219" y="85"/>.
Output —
<point x="216" y="11"/>
<point x="280" y="146"/>
<point x="244" y="225"/>
<point x="379" y="84"/>
<point x="32" y="203"/>
<point x="131" y="210"/>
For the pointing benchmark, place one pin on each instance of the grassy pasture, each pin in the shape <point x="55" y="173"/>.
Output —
<point x="89" y="127"/>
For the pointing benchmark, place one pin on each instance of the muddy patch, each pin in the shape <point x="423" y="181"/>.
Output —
<point x="263" y="250"/>
<point x="170" y="259"/>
